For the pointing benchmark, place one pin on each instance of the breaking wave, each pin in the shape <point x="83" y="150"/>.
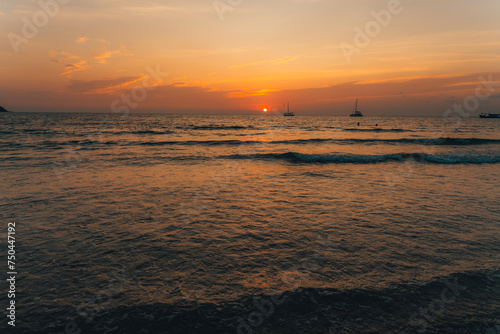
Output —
<point x="415" y="141"/>
<point x="295" y="157"/>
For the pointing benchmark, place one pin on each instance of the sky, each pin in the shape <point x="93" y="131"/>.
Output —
<point x="399" y="57"/>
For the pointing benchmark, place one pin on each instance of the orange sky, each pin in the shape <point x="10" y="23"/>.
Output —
<point x="398" y="57"/>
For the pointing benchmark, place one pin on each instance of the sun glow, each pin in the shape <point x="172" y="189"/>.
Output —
<point x="264" y="110"/>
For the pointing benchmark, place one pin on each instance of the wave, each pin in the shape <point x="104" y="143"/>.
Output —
<point x="445" y="141"/>
<point x="214" y="127"/>
<point x="197" y="142"/>
<point x="148" y="132"/>
<point x="437" y="141"/>
<point x="77" y="144"/>
<point x="459" y="303"/>
<point x="421" y="141"/>
<point x="295" y="157"/>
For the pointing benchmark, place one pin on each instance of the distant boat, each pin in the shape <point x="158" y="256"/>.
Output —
<point x="483" y="115"/>
<point x="288" y="112"/>
<point x="356" y="112"/>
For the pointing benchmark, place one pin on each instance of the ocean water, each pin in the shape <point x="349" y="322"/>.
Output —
<point x="153" y="223"/>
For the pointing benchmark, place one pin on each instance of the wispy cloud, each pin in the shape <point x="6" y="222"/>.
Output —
<point x="162" y="9"/>
<point x="69" y="69"/>
<point x="85" y="39"/>
<point x="102" y="86"/>
<point x="71" y="62"/>
<point x="102" y="57"/>
<point x="272" y="61"/>
<point x="125" y="8"/>
<point x="248" y="93"/>
<point x="59" y="57"/>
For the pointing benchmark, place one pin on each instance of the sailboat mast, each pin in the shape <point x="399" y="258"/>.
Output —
<point x="286" y="110"/>
<point x="356" y="112"/>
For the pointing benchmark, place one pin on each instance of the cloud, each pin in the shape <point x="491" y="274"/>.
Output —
<point x="272" y="61"/>
<point x="71" y="62"/>
<point x="59" y="57"/>
<point x="248" y="93"/>
<point x="102" y="86"/>
<point x="69" y="69"/>
<point x="398" y="96"/>
<point x="102" y="57"/>
<point x="85" y="39"/>
<point x="430" y="96"/>
<point x="181" y="96"/>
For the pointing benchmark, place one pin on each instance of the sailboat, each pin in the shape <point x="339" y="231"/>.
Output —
<point x="288" y="112"/>
<point x="356" y="112"/>
<point x="484" y="115"/>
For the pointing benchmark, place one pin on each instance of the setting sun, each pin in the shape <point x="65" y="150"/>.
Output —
<point x="264" y="110"/>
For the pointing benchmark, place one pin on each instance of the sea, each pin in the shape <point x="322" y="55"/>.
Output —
<point x="158" y="223"/>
